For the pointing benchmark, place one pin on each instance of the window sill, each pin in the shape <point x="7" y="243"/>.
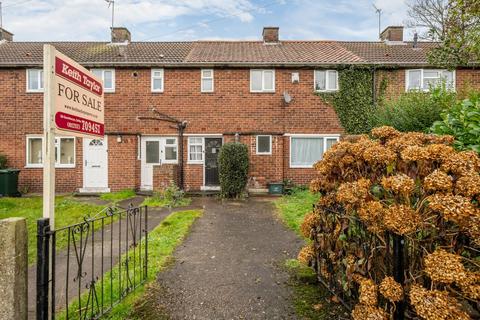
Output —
<point x="263" y="153"/>
<point x="35" y="91"/>
<point x="301" y="167"/>
<point x="156" y="91"/>
<point x="34" y="166"/>
<point x="266" y="91"/>
<point x="194" y="162"/>
<point x="326" y="91"/>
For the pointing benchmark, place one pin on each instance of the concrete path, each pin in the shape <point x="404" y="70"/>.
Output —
<point x="230" y="266"/>
<point x="114" y="244"/>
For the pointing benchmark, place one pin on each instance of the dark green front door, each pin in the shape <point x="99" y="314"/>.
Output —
<point x="212" y="148"/>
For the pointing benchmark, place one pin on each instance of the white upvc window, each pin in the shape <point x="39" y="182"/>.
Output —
<point x="264" y="145"/>
<point x="108" y="78"/>
<point x="195" y="150"/>
<point x="306" y="150"/>
<point x="34" y="80"/>
<point x="262" y="80"/>
<point x="207" y="80"/>
<point x="424" y="79"/>
<point x="325" y="80"/>
<point x="170" y="150"/>
<point x="157" y="80"/>
<point x="64" y="152"/>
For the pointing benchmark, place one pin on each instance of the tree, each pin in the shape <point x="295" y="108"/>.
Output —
<point x="460" y="43"/>
<point x="429" y="15"/>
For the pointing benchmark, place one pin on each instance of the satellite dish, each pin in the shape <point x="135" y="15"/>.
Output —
<point x="287" y="97"/>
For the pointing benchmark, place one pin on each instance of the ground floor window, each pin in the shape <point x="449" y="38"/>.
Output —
<point x="305" y="151"/>
<point x="64" y="152"/>
<point x="195" y="149"/>
<point x="161" y="150"/>
<point x="264" y="145"/>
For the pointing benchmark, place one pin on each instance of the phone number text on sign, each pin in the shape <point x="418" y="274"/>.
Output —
<point x="75" y="123"/>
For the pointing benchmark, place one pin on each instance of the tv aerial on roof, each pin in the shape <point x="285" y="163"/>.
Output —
<point x="379" y="12"/>
<point x="111" y="3"/>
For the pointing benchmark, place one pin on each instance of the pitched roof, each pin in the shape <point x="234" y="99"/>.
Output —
<point x="238" y="53"/>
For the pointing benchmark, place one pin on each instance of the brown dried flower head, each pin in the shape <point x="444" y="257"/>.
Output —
<point x="438" y="181"/>
<point x="391" y="289"/>
<point x="353" y="193"/>
<point x="415" y="153"/>
<point x="378" y="155"/>
<point x="440" y="139"/>
<point x="436" y="305"/>
<point x="439" y="152"/>
<point x="371" y="213"/>
<point x="363" y="312"/>
<point x="444" y="267"/>
<point x="401" y="219"/>
<point x="309" y="223"/>
<point x="385" y="132"/>
<point x="462" y="163"/>
<point x="406" y="140"/>
<point x="306" y="255"/>
<point x="400" y="184"/>
<point x="468" y="185"/>
<point x="453" y="208"/>
<point x="470" y="285"/>
<point x="368" y="290"/>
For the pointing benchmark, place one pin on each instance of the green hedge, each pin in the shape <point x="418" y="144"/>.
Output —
<point x="233" y="169"/>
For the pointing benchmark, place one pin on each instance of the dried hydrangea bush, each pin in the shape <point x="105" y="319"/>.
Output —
<point x="410" y="186"/>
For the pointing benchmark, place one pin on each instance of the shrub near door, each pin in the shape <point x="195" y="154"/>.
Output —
<point x="233" y="166"/>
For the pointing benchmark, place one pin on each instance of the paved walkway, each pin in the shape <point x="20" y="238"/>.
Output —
<point x="230" y="265"/>
<point x="112" y="243"/>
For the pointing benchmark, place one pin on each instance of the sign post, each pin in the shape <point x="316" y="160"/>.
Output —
<point x="73" y="105"/>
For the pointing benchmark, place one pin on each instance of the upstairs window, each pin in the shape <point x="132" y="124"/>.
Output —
<point x="108" y="78"/>
<point x="326" y="80"/>
<point x="262" y="80"/>
<point x="207" y="80"/>
<point x="157" y="80"/>
<point x="264" y="145"/>
<point x="34" y="80"/>
<point x="424" y="79"/>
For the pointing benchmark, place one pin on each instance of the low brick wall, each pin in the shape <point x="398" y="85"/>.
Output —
<point x="163" y="175"/>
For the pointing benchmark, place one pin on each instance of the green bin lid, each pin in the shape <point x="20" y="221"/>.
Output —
<point x="9" y="170"/>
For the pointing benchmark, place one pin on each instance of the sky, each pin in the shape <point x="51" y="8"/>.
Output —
<point x="185" y="20"/>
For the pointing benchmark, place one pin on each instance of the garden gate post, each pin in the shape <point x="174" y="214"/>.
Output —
<point x="43" y="261"/>
<point x="399" y="271"/>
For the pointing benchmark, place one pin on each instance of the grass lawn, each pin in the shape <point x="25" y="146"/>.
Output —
<point x="292" y="208"/>
<point x="118" y="196"/>
<point x="67" y="212"/>
<point x="162" y="242"/>
<point x="156" y="201"/>
<point x="311" y="300"/>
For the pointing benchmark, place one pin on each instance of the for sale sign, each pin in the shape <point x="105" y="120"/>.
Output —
<point x="78" y="99"/>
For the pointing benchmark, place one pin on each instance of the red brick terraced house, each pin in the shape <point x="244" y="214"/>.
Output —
<point x="261" y="93"/>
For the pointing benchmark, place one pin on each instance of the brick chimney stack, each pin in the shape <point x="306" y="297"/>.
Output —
<point x="392" y="33"/>
<point x="5" y="35"/>
<point x="270" y="34"/>
<point x="121" y="35"/>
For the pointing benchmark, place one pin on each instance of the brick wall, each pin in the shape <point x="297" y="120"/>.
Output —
<point x="163" y="175"/>
<point x="231" y="108"/>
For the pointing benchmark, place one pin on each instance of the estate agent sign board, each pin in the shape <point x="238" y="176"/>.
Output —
<point x="73" y="105"/>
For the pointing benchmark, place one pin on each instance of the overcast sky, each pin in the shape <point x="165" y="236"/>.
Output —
<point x="171" y="20"/>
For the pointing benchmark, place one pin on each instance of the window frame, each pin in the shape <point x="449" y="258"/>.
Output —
<point x="202" y="152"/>
<point x="325" y="137"/>
<point x="202" y="77"/>
<point x="263" y="90"/>
<point x="152" y="78"/>
<point x="327" y="81"/>
<point x="163" y="150"/>
<point x="422" y="79"/>
<point x="270" y="145"/>
<point x="40" y="80"/>
<point x="58" y="148"/>
<point x="105" y="89"/>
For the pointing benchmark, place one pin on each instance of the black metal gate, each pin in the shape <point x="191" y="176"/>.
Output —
<point x="103" y="259"/>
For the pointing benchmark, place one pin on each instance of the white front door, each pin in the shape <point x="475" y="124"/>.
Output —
<point x="155" y="151"/>
<point x="95" y="165"/>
